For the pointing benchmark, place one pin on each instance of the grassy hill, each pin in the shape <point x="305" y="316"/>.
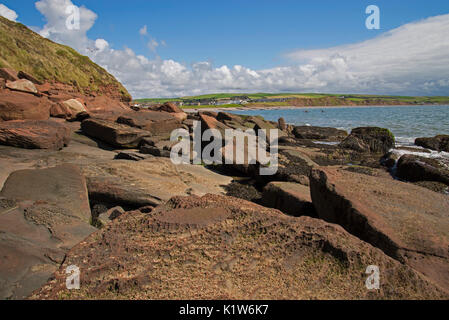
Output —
<point x="311" y="99"/>
<point x="23" y="49"/>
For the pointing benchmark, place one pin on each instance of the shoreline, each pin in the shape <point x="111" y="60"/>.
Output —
<point x="218" y="109"/>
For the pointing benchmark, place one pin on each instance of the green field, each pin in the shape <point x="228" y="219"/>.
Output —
<point x="308" y="99"/>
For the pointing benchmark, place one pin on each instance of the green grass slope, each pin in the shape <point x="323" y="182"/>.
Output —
<point x="23" y="49"/>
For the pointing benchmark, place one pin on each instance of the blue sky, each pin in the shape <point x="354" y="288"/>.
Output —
<point x="257" y="35"/>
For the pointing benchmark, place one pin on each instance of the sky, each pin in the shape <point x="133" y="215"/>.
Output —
<point x="169" y="48"/>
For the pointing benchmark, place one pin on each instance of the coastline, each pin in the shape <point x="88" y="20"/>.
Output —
<point x="218" y="109"/>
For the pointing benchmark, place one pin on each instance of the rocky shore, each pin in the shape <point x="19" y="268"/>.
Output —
<point x="90" y="183"/>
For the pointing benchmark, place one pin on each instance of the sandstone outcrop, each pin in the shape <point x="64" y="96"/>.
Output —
<point x="43" y="213"/>
<point x="407" y="222"/>
<point x="154" y="122"/>
<point x="438" y="143"/>
<point x="22" y="106"/>
<point x="415" y="168"/>
<point x="115" y="134"/>
<point x="319" y="133"/>
<point x="34" y="134"/>
<point x="218" y="247"/>
<point x="369" y="139"/>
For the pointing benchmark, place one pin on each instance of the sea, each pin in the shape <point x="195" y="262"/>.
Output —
<point x="406" y="122"/>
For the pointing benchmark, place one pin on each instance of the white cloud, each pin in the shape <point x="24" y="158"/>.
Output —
<point x="412" y="59"/>
<point x="143" y="31"/>
<point x="8" y="13"/>
<point x="101" y="44"/>
<point x="153" y="44"/>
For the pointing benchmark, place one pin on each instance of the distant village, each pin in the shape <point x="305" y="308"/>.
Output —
<point x="240" y="100"/>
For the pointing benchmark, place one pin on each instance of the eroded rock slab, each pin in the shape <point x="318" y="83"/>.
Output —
<point x="148" y="182"/>
<point x="43" y="213"/>
<point x="409" y="223"/>
<point x="34" y="134"/>
<point x="115" y="134"/>
<point x="218" y="247"/>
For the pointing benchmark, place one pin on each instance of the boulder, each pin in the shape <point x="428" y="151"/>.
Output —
<point x="43" y="213"/>
<point x="157" y="149"/>
<point x="27" y="76"/>
<point x="171" y="108"/>
<point x="8" y="74"/>
<point x="226" y="116"/>
<point x="148" y="182"/>
<point x="415" y="168"/>
<point x="57" y="110"/>
<point x="291" y="198"/>
<point x="218" y="247"/>
<point x="115" y="134"/>
<point x="438" y="143"/>
<point x="407" y="222"/>
<point x="20" y="106"/>
<point x="110" y="215"/>
<point x="208" y="122"/>
<point x="22" y="85"/>
<point x="75" y="106"/>
<point x="369" y="139"/>
<point x="319" y="133"/>
<point x="154" y="122"/>
<point x="282" y="125"/>
<point x="34" y="134"/>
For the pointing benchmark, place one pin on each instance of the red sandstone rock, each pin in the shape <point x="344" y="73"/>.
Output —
<point x="19" y="106"/>
<point x="34" y="134"/>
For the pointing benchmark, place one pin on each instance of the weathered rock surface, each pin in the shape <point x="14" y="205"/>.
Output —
<point x="171" y="108"/>
<point x="438" y="143"/>
<point x="8" y="74"/>
<point x="115" y="134"/>
<point x="148" y="182"/>
<point x="20" y="106"/>
<point x="43" y="213"/>
<point x="22" y="85"/>
<point x="319" y="133"/>
<point x="369" y="139"/>
<point x="218" y="247"/>
<point x="34" y="134"/>
<point x="415" y="168"/>
<point x="156" y="123"/>
<point x="409" y="223"/>
<point x="291" y="198"/>
<point x="131" y="155"/>
<point x="75" y="106"/>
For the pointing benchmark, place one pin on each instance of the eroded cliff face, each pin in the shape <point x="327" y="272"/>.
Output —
<point x="58" y="71"/>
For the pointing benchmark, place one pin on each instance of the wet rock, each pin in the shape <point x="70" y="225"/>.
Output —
<point x="291" y="198"/>
<point x="115" y="134"/>
<point x="389" y="159"/>
<point x="34" y="134"/>
<point x="438" y="143"/>
<point x="231" y="249"/>
<point x="407" y="222"/>
<point x="319" y="133"/>
<point x="156" y="123"/>
<point x="415" y="168"/>
<point x="369" y="139"/>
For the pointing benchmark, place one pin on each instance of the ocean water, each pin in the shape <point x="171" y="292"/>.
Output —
<point x="406" y="122"/>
